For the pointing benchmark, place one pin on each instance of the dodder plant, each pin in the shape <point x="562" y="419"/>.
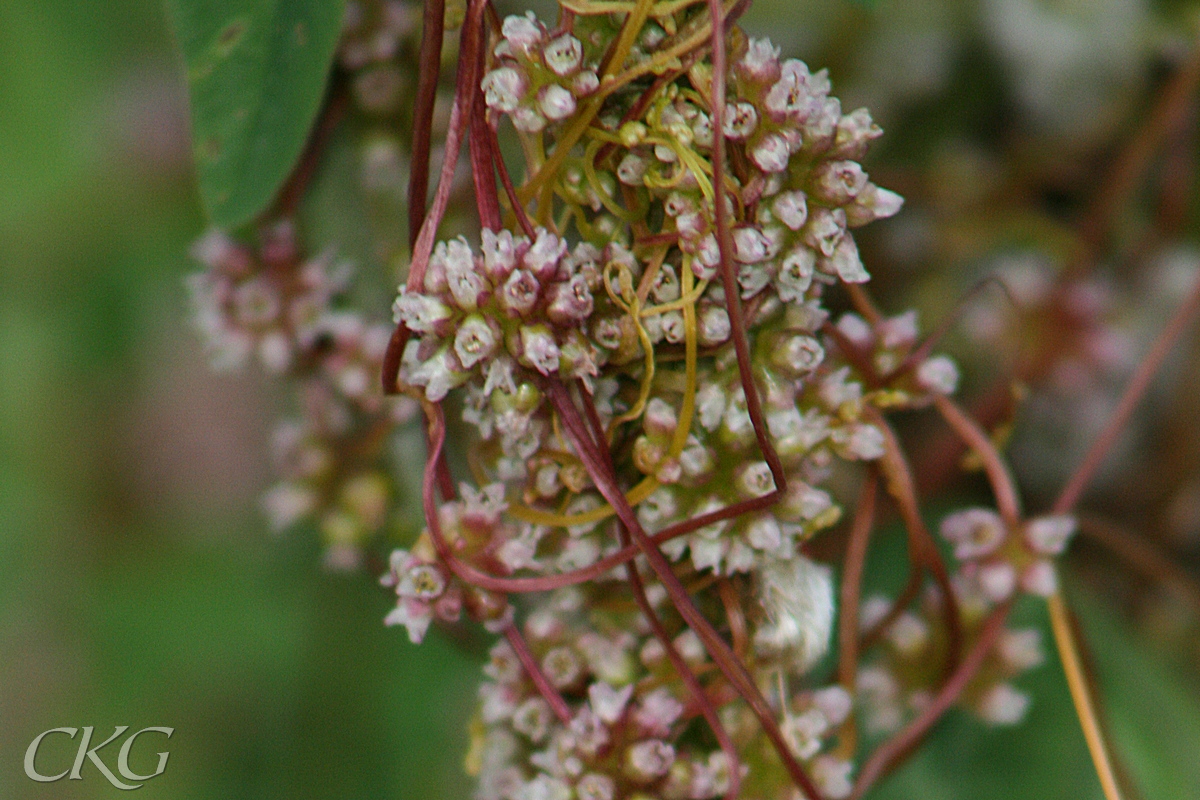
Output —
<point x="655" y="404"/>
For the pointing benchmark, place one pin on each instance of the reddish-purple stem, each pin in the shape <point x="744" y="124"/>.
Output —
<point x="855" y="561"/>
<point x="545" y="689"/>
<point x="1138" y="385"/>
<point x="912" y="734"/>
<point x="638" y="588"/>
<point x="720" y="652"/>
<point x="733" y="301"/>
<point x="479" y="145"/>
<point x="506" y="180"/>
<point x="432" y="32"/>
<point x="1003" y="486"/>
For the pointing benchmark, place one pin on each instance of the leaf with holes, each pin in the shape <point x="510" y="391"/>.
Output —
<point x="256" y="74"/>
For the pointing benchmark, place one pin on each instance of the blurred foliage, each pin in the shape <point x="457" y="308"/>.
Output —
<point x="257" y="73"/>
<point x="137" y="583"/>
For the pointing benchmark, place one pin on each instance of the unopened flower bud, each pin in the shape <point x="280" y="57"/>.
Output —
<point x="761" y="61"/>
<point x="938" y="374"/>
<point x="1003" y="705"/>
<point x="556" y="102"/>
<point x="713" y="326"/>
<point x="871" y="204"/>
<point x="771" y="153"/>
<point x="1040" y="579"/>
<point x="791" y="208"/>
<point x="522" y="33"/>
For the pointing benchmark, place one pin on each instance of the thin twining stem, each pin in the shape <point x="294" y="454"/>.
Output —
<point x="1134" y="392"/>
<point x="1169" y="114"/>
<point x="506" y="181"/>
<point x="912" y="734"/>
<point x="720" y="652"/>
<point x="1064" y="638"/>
<point x="908" y="594"/>
<point x="437" y="442"/>
<point x="432" y="24"/>
<point x="922" y="351"/>
<point x="922" y="549"/>
<point x="1081" y="695"/>
<point x="851" y="591"/>
<point x="733" y="301"/>
<point x="1003" y="487"/>
<point x="638" y="588"/>
<point x="466" y="87"/>
<point x="1142" y="554"/>
<point x="557" y="704"/>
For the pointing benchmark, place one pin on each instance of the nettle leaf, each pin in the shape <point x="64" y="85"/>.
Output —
<point x="256" y="73"/>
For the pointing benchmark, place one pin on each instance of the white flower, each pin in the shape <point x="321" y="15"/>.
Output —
<point x="791" y="93"/>
<point x="1021" y="649"/>
<point x="801" y="353"/>
<point x="522" y="33"/>
<point x="938" y="374"/>
<point x="420" y="313"/>
<point x="607" y="702"/>
<point x="825" y="229"/>
<point x="839" y="182"/>
<point x="648" y="760"/>
<point x="871" y="204"/>
<point x="503" y="89"/>
<point x="795" y="274"/>
<point x="975" y="532"/>
<point x="749" y="245"/>
<point x="1040" y="579"/>
<point x="657" y="712"/>
<point x="846" y="262"/>
<point x="474" y="341"/>
<point x="997" y="581"/>
<point x="1049" y="535"/>
<point x="741" y="119"/>
<point x="499" y="253"/>
<point x="563" y="55"/>
<point x="1003" y="705"/>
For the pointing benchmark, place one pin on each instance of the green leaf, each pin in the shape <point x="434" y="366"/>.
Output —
<point x="256" y="73"/>
<point x="1152" y="707"/>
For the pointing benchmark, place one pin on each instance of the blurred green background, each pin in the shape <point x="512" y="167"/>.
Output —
<point x="138" y="583"/>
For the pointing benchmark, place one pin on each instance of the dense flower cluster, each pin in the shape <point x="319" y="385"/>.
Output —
<point x="899" y="682"/>
<point x="271" y="304"/>
<point x="629" y="333"/>
<point x="637" y="353"/>
<point x="539" y="79"/>
<point x="627" y="731"/>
